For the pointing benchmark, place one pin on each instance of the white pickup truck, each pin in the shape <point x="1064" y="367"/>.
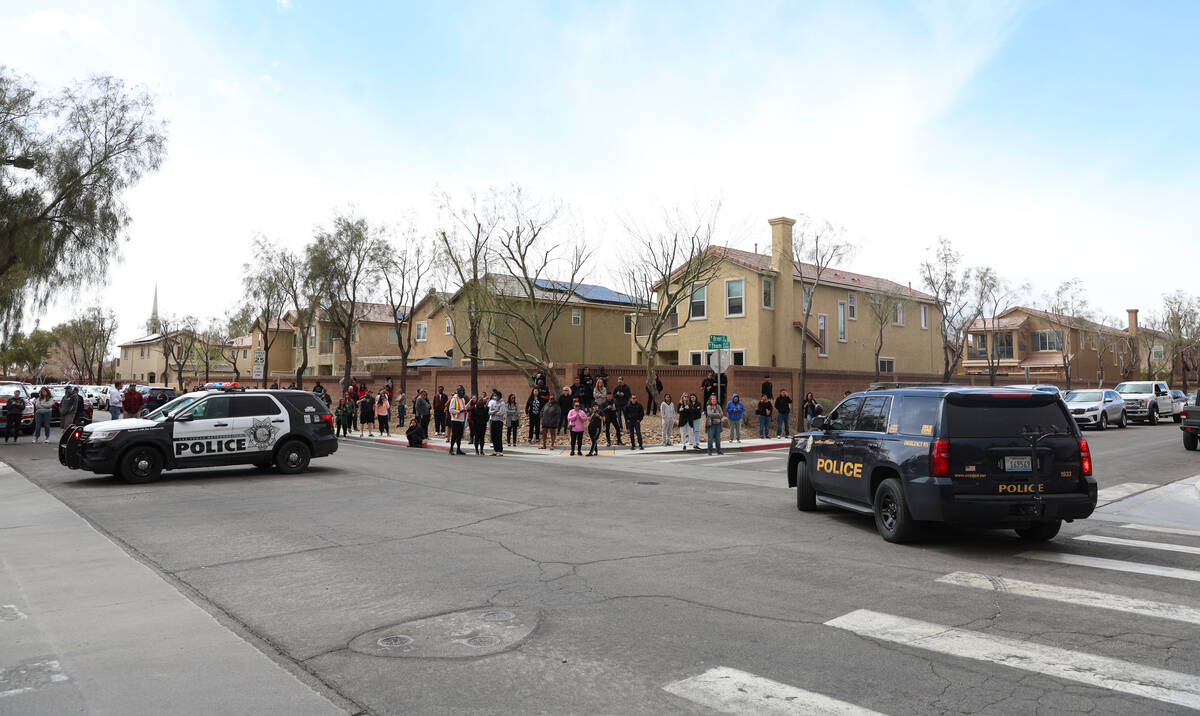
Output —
<point x="1149" y="401"/>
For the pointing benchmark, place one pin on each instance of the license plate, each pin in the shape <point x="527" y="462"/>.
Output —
<point x="1018" y="463"/>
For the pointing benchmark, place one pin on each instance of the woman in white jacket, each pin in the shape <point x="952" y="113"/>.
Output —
<point x="666" y="410"/>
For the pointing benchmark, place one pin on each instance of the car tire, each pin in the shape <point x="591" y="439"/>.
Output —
<point x="1153" y="419"/>
<point x="806" y="497"/>
<point x="1103" y="421"/>
<point x="1124" y="421"/>
<point x="1190" y="441"/>
<point x="1040" y="531"/>
<point x="292" y="457"/>
<point x="892" y="518"/>
<point x="1177" y="417"/>
<point x="140" y="464"/>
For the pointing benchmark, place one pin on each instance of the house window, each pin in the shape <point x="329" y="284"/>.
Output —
<point x="312" y="336"/>
<point x="841" y="320"/>
<point x="422" y="330"/>
<point x="1004" y="346"/>
<point x="822" y="350"/>
<point x="245" y="353"/>
<point x="695" y="357"/>
<point x="924" y="316"/>
<point x="852" y="306"/>
<point x="1047" y="340"/>
<point x="354" y="334"/>
<point x="699" y="304"/>
<point x="576" y="316"/>
<point x="1157" y="351"/>
<point x="887" y="365"/>
<point x="735" y="291"/>
<point x="449" y="326"/>
<point x="898" y="313"/>
<point x="393" y="338"/>
<point x="629" y="323"/>
<point x="737" y="357"/>
<point x="768" y="293"/>
<point x="142" y="352"/>
<point x="295" y="341"/>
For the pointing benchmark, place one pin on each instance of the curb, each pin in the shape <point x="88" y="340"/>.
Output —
<point x="534" y="451"/>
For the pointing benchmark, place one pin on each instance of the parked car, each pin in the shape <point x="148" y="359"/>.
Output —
<point x="1041" y="388"/>
<point x="57" y="392"/>
<point x="1190" y="426"/>
<point x="1097" y="408"/>
<point x="1149" y="401"/>
<point x="156" y="397"/>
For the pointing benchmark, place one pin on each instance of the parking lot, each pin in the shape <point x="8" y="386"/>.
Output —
<point x="667" y="583"/>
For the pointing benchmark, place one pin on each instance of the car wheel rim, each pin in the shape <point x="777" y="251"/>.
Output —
<point x="293" y="458"/>
<point x="141" y="465"/>
<point x="887" y="512"/>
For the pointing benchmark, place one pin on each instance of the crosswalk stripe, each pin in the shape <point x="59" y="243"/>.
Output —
<point x="774" y="458"/>
<point x="689" y="459"/>
<point x="1164" y="530"/>
<point x="1164" y="546"/>
<point x="1117" y="492"/>
<point x="1115" y="565"/>
<point x="738" y="692"/>
<point x="1101" y="671"/>
<point x="1071" y="595"/>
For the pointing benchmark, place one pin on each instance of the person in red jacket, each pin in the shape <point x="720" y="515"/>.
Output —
<point x="131" y="402"/>
<point x="440" y="402"/>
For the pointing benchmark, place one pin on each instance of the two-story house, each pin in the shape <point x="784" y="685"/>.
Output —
<point x="758" y="301"/>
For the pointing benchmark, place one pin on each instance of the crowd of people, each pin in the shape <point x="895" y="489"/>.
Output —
<point x="590" y="408"/>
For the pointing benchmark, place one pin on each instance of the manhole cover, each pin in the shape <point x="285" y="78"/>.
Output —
<point x="466" y="634"/>
<point x="647" y="482"/>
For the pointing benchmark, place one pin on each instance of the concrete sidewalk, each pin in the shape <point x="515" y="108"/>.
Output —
<point x="564" y="446"/>
<point x="85" y="628"/>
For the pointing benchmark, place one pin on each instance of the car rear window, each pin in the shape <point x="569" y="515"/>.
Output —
<point x="1135" y="388"/>
<point x="916" y="415"/>
<point x="252" y="406"/>
<point x="1004" y="418"/>
<point x="303" y="401"/>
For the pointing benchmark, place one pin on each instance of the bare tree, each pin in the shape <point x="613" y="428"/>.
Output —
<point x="664" y="267"/>
<point x="180" y="337"/>
<point x="237" y="323"/>
<point x="993" y="295"/>
<point x="344" y="264"/>
<point x="405" y="270"/>
<point x="950" y="285"/>
<point x="299" y="285"/>
<point x="85" y="341"/>
<point x="1067" y="309"/>
<point x="267" y="296"/>
<point x="1106" y="340"/>
<point x="818" y="246"/>
<point x="1181" y="324"/>
<point x="465" y="240"/>
<point x="883" y="306"/>
<point x="540" y="275"/>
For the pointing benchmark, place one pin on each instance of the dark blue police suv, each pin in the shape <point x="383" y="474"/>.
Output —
<point x="983" y="457"/>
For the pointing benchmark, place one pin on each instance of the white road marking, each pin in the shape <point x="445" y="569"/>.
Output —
<point x="1071" y="595"/>
<point x="1164" y="530"/>
<point x="1091" y="669"/>
<point x="1118" y="492"/>
<point x="737" y="692"/>
<point x="689" y="459"/>
<point x="1115" y="565"/>
<point x="1164" y="546"/>
<point x="773" y="458"/>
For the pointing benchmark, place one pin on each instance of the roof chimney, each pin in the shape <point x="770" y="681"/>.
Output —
<point x="1133" y="324"/>
<point x="781" y="246"/>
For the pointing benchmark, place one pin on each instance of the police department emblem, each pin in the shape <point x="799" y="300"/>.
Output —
<point x="262" y="433"/>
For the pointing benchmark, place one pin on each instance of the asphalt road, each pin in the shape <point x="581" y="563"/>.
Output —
<point x="405" y="581"/>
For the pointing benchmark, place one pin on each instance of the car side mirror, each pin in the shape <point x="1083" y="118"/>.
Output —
<point x="817" y="422"/>
<point x="1108" y="400"/>
<point x="184" y="418"/>
<point x="143" y="412"/>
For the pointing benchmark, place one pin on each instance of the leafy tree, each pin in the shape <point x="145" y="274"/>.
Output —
<point x="27" y="355"/>
<point x="950" y="285"/>
<point x="88" y="145"/>
<point x="84" y="342"/>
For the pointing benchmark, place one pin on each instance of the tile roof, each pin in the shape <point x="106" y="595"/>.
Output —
<point x="1018" y="315"/>
<point x="372" y="312"/>
<point x="1046" y="360"/>
<point x="831" y="275"/>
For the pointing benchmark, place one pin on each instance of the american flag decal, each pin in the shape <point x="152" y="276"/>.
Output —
<point x="970" y="468"/>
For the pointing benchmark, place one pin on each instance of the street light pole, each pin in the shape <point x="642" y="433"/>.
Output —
<point x="18" y="162"/>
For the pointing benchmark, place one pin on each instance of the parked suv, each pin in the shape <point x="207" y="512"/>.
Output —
<point x="985" y="457"/>
<point x="1191" y="427"/>
<point x="232" y="426"/>
<point x="1149" y="401"/>
<point x="1097" y="408"/>
<point x="156" y="397"/>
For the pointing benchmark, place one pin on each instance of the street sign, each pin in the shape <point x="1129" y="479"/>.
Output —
<point x="260" y="357"/>
<point x="718" y="360"/>
<point x="718" y="342"/>
<point x="257" y="372"/>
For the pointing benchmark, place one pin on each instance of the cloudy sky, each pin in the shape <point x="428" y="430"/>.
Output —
<point x="1049" y="140"/>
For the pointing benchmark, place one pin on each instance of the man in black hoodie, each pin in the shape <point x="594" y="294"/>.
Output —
<point x="634" y="412"/>
<point x="565" y="403"/>
<point x="783" y="412"/>
<point x="620" y="396"/>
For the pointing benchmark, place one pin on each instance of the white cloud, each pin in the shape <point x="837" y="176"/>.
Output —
<point x="283" y="5"/>
<point x="59" y="26"/>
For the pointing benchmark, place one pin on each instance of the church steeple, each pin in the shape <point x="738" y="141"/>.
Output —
<point x="153" y="325"/>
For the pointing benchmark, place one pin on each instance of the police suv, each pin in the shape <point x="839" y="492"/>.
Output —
<point x="984" y="457"/>
<point x="223" y="426"/>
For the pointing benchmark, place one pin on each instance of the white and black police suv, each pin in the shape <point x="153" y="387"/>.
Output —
<point x="224" y="426"/>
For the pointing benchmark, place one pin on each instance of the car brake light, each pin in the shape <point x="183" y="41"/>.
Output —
<point x="1085" y="457"/>
<point x="1183" y="414"/>
<point x="76" y="435"/>
<point x="939" y="458"/>
<point x="328" y="419"/>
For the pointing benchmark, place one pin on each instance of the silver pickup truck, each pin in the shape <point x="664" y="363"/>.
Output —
<point x="1150" y="401"/>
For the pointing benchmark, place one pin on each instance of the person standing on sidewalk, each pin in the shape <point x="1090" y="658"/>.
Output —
<point x="767" y="388"/>
<point x="684" y="411"/>
<point x="383" y="406"/>
<point x="809" y="409"/>
<point x="114" y="400"/>
<point x="600" y="392"/>
<point x="666" y="411"/>
<point x="609" y="409"/>
<point x="735" y="409"/>
<point x="456" y="411"/>
<point x="342" y="417"/>
<point x="764" y="411"/>
<point x="595" y="421"/>
<point x="497" y="414"/>
<point x="478" y="415"/>
<point x="421" y="411"/>
<point x="13" y="410"/>
<point x="565" y="401"/>
<point x="512" y="419"/>
<point x="620" y="396"/>
<point x="67" y="407"/>
<point x="712" y="423"/>
<point x="698" y="418"/>
<point x="43" y="410"/>
<point x="533" y="409"/>
<point x="551" y="417"/>
<point x="440" y="401"/>
<point x="658" y="386"/>
<point x="131" y="402"/>
<point x="783" y="411"/>
<point x="587" y="387"/>
<point x="634" y="412"/>
<point x="576" y="421"/>
<point x="366" y="414"/>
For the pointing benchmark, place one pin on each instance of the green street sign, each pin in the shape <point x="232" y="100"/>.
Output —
<point x="716" y="342"/>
